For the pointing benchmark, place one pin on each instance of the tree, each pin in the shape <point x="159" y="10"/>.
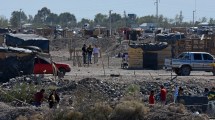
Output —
<point x="181" y="17"/>
<point x="3" y="21"/>
<point x="211" y="21"/>
<point x="67" y="19"/>
<point x="117" y="20"/>
<point x="100" y="19"/>
<point x="52" y="19"/>
<point x="177" y="20"/>
<point x="17" y="17"/>
<point x="203" y="19"/>
<point x="30" y="19"/>
<point x="146" y="19"/>
<point x="42" y="15"/>
<point x="84" y="21"/>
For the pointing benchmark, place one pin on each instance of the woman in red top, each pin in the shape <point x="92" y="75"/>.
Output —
<point x="151" y="98"/>
<point x="163" y="94"/>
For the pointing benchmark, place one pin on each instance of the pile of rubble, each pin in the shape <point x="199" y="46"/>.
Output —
<point x="81" y="94"/>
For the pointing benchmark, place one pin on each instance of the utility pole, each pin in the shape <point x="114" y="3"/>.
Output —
<point x="125" y="18"/>
<point x="110" y="21"/>
<point x="20" y="19"/>
<point x="194" y="18"/>
<point x="180" y="17"/>
<point x="156" y="11"/>
<point x="194" y="15"/>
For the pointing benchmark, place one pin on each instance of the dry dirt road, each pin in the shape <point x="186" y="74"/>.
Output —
<point x="105" y="68"/>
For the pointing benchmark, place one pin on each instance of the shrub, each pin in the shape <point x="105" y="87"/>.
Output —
<point x="177" y="108"/>
<point x="21" y="91"/>
<point x="129" y="110"/>
<point x="132" y="89"/>
<point x="21" y="118"/>
<point x="36" y="117"/>
<point x="100" y="111"/>
<point x="132" y="93"/>
<point x="73" y="115"/>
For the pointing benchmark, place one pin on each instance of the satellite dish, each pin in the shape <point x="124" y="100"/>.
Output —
<point x="202" y="37"/>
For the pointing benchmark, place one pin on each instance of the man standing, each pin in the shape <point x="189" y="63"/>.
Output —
<point x="95" y="54"/>
<point x="84" y="53"/>
<point x="89" y="54"/>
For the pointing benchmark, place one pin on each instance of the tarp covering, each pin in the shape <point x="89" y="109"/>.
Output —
<point x="170" y="38"/>
<point x="15" y="65"/>
<point x="14" y="49"/>
<point x="20" y="40"/>
<point x="3" y="31"/>
<point x="151" y="46"/>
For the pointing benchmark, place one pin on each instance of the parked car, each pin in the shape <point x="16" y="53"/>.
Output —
<point x="191" y="61"/>
<point x="44" y="66"/>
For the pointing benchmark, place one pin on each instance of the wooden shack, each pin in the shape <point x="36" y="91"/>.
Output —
<point x="1" y="39"/>
<point x="139" y="59"/>
<point x="179" y="29"/>
<point x="155" y="59"/>
<point x="45" y="32"/>
<point x="135" y="58"/>
<point x="206" y="44"/>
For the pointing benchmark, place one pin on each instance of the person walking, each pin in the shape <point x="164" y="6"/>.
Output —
<point x="84" y="54"/>
<point x="163" y="94"/>
<point x="39" y="97"/>
<point x="96" y="54"/>
<point x="89" y="54"/>
<point x="54" y="99"/>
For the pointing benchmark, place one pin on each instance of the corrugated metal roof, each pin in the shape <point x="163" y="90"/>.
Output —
<point x="14" y="49"/>
<point x="28" y="36"/>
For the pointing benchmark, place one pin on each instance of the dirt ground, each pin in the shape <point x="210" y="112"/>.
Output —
<point x="109" y="69"/>
<point x="109" y="83"/>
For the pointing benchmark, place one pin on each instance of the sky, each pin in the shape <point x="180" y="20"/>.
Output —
<point x="89" y="8"/>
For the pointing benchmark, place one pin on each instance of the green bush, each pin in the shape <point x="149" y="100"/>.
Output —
<point x="21" y="91"/>
<point x="132" y="89"/>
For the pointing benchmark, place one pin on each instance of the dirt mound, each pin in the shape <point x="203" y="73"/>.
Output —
<point x="82" y="95"/>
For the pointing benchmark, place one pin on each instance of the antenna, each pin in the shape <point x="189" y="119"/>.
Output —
<point x="125" y="18"/>
<point x="157" y="9"/>
<point x="194" y="12"/>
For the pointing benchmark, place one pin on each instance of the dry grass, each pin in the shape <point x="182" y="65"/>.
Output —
<point x="177" y="108"/>
<point x="100" y="111"/>
<point x="129" y="110"/>
<point x="73" y="115"/>
<point x="37" y="117"/>
<point x="21" y="118"/>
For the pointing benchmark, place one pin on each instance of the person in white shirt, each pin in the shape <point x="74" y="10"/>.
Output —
<point x="96" y="54"/>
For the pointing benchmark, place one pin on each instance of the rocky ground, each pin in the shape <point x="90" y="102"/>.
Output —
<point x="102" y="91"/>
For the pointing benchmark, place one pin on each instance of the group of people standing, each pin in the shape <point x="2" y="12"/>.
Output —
<point x="178" y="92"/>
<point x="162" y="95"/>
<point x="87" y="53"/>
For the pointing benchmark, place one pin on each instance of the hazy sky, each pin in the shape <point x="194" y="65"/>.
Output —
<point x="89" y="8"/>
